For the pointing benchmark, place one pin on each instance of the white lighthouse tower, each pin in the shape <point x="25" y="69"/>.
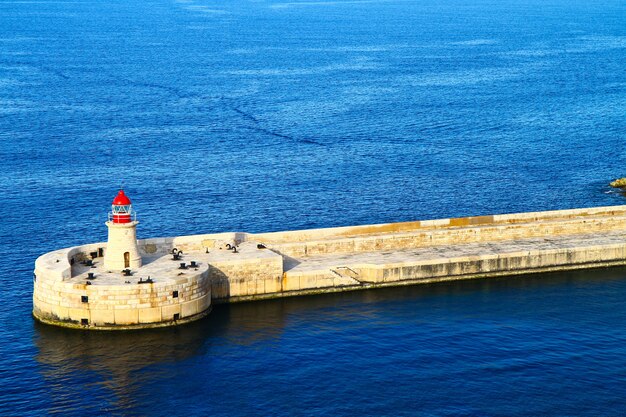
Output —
<point x="121" y="251"/>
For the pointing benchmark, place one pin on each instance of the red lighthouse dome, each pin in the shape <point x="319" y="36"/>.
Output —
<point x="121" y="209"/>
<point x="121" y="199"/>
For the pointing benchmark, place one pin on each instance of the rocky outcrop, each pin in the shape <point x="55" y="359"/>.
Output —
<point x="618" y="183"/>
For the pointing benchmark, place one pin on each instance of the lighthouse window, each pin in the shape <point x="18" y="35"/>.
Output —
<point x="121" y="209"/>
<point x="84" y="299"/>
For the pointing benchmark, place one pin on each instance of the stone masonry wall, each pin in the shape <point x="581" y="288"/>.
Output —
<point x="492" y="264"/>
<point x="55" y="299"/>
<point x="579" y="215"/>
<point x="486" y="265"/>
<point x="449" y="235"/>
<point x="237" y="278"/>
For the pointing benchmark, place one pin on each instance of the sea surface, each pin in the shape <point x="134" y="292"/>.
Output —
<point x="267" y="115"/>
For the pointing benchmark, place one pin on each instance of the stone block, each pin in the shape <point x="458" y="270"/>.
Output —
<point x="324" y="281"/>
<point x="77" y="314"/>
<point x="259" y="287"/>
<point x="371" y="274"/>
<point x="189" y="308"/>
<point x="167" y="312"/>
<point x="204" y="302"/>
<point x="342" y="281"/>
<point x="63" y="313"/>
<point x="220" y="289"/>
<point x="126" y="316"/>
<point x="272" y="285"/>
<point x="246" y="286"/>
<point x="290" y="282"/>
<point x="102" y="317"/>
<point x="235" y="287"/>
<point x="308" y="282"/>
<point x="42" y="306"/>
<point x="391" y="274"/>
<point x="150" y="315"/>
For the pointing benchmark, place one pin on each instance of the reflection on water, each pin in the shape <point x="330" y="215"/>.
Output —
<point x="77" y="363"/>
<point x="107" y="364"/>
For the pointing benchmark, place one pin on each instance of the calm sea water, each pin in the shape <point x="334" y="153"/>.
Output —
<point x="273" y="115"/>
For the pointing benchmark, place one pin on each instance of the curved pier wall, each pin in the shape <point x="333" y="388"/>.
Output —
<point x="59" y="300"/>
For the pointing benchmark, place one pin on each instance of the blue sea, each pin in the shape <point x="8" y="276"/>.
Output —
<point x="265" y="115"/>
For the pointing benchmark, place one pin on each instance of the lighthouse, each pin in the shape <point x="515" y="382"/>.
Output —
<point x="121" y="252"/>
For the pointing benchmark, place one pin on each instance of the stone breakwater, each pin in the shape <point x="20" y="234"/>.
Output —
<point x="72" y="288"/>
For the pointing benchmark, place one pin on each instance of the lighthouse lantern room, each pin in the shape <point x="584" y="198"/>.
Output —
<point x="121" y="251"/>
<point x="121" y="209"/>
